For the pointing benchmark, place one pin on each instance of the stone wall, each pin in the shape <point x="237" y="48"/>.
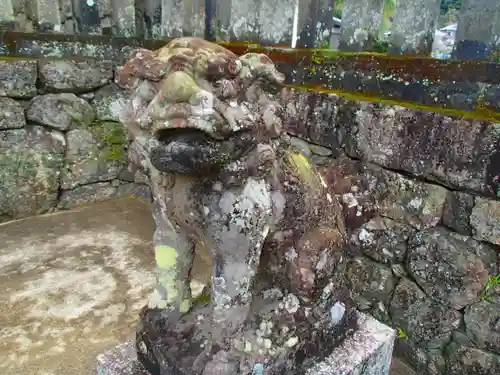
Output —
<point x="452" y="85"/>
<point x="421" y="198"/>
<point x="420" y="191"/>
<point x="61" y="144"/>
<point x="459" y="86"/>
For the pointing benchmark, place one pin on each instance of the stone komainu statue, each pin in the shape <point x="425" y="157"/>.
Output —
<point x="206" y="128"/>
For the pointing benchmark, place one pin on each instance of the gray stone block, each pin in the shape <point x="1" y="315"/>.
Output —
<point x="367" y="352"/>
<point x="121" y="360"/>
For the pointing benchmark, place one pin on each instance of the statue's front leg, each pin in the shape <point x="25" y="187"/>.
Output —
<point x="174" y="255"/>
<point x="238" y="222"/>
<point x="171" y="298"/>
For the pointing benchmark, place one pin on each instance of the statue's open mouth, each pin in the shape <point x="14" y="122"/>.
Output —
<point x="193" y="151"/>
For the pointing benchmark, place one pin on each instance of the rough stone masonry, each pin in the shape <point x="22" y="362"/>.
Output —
<point x="420" y="190"/>
<point x="61" y="143"/>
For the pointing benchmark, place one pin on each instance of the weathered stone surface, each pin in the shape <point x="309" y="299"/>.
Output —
<point x="109" y="101"/>
<point x="485" y="220"/>
<point x="427" y="325"/>
<point x="383" y="240"/>
<point x="83" y="195"/>
<point x="379" y="205"/>
<point x="368" y="352"/>
<point x="74" y="75"/>
<point x="30" y="164"/>
<point x="475" y="35"/>
<point x="453" y="151"/>
<point x="301" y="146"/>
<point x="406" y="294"/>
<point x="121" y="360"/>
<point x="369" y="282"/>
<point x="94" y="154"/>
<point x="362" y="21"/>
<point x="427" y="322"/>
<point x="61" y="111"/>
<point x="133" y="176"/>
<point x="88" y="96"/>
<point x="313" y="117"/>
<point x="482" y="325"/>
<point x="423" y="360"/>
<point x="368" y="189"/>
<point x="492" y="97"/>
<point x="18" y="78"/>
<point x="11" y="114"/>
<point x="413" y="202"/>
<point x="413" y="27"/>
<point x="472" y="361"/>
<point x="460" y="95"/>
<point x="140" y="191"/>
<point x="449" y="267"/>
<point x="320" y="150"/>
<point x="457" y="212"/>
<point x="351" y="181"/>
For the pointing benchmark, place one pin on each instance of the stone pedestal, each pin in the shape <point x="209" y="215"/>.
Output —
<point x="367" y="352"/>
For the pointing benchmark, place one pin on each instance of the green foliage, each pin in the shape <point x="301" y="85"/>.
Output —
<point x="388" y="12"/>
<point x="447" y="5"/>
<point x="337" y="10"/>
<point x="402" y="334"/>
<point x="493" y="281"/>
<point x="377" y="45"/>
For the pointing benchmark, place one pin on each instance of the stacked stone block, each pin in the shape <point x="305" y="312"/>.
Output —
<point x="61" y="144"/>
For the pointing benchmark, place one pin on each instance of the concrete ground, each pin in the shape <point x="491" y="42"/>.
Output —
<point x="72" y="285"/>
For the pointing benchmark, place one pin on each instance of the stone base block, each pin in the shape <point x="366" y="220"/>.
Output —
<point x="367" y="352"/>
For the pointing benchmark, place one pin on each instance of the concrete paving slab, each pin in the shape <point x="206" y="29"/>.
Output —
<point x="72" y="284"/>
